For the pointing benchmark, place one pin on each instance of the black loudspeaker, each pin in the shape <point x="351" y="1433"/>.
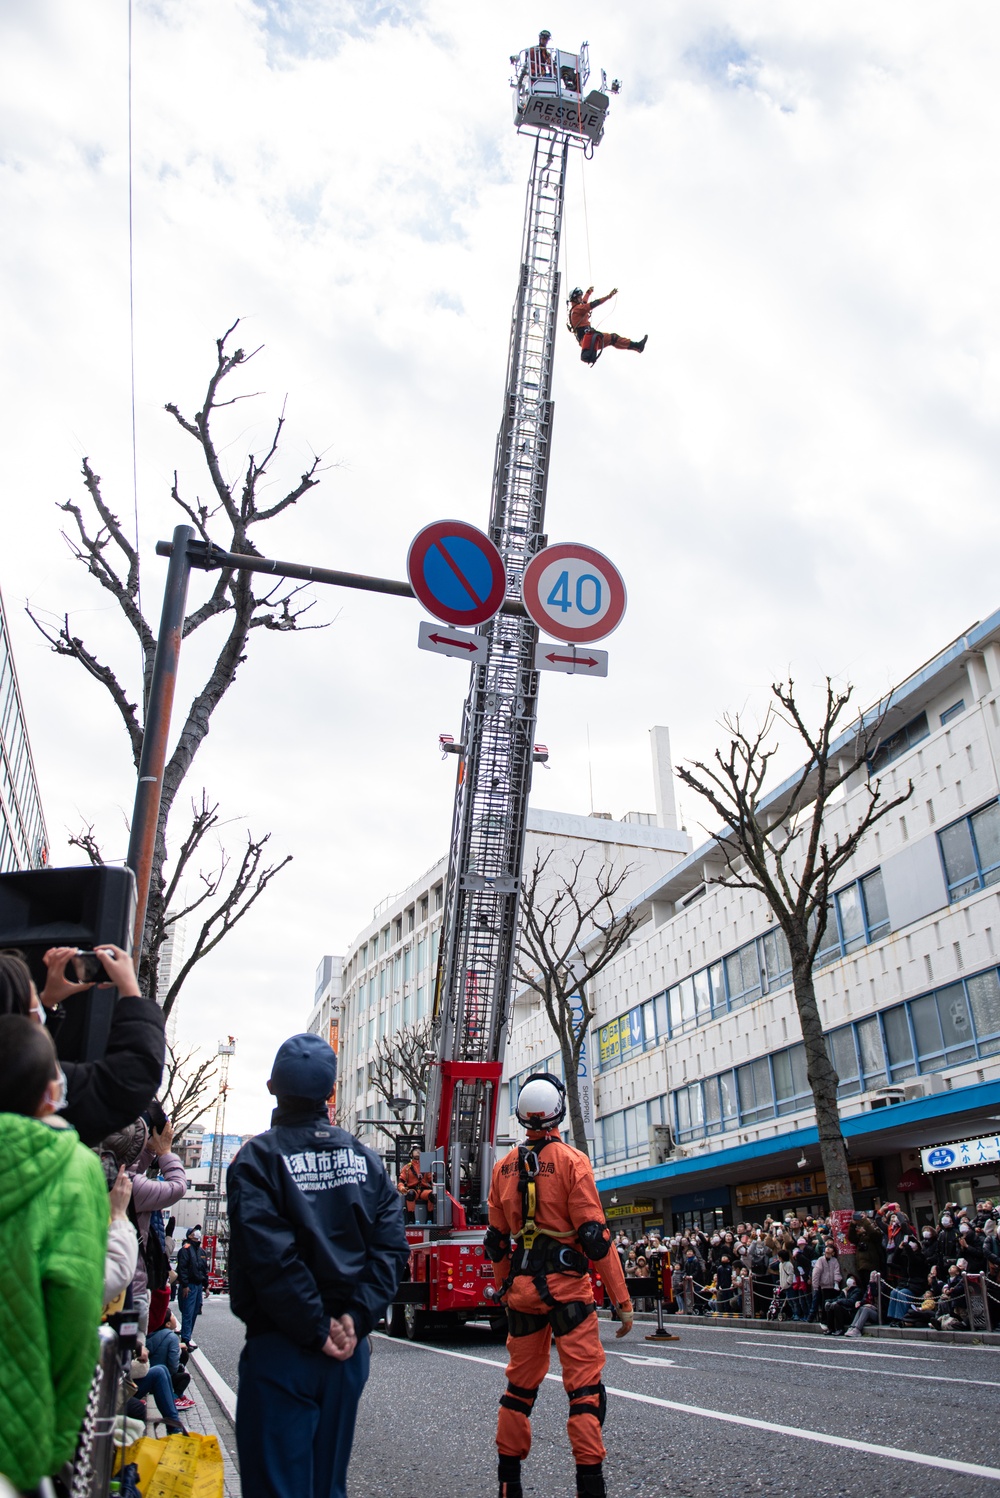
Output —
<point x="82" y="907"/>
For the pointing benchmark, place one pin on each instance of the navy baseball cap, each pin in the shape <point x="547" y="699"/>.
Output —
<point x="306" y="1067"/>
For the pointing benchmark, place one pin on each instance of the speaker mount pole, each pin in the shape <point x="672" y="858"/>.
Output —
<point x="156" y="729"/>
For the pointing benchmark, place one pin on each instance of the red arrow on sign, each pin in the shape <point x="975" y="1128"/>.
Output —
<point x="572" y="660"/>
<point x="450" y="640"/>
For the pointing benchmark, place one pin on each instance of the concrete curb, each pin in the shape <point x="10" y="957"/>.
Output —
<point x="813" y="1328"/>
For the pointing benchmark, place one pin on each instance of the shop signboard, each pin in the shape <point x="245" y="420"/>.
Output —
<point x="792" y="1188"/>
<point x="608" y="1042"/>
<point x="961" y="1154"/>
<point x="630" y="1209"/>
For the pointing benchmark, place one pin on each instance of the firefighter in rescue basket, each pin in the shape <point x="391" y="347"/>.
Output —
<point x="546" y="1225"/>
<point x="415" y="1187"/>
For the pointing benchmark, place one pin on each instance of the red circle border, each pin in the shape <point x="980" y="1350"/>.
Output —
<point x="421" y="545"/>
<point x="586" y="634"/>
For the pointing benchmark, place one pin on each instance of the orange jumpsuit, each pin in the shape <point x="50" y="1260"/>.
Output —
<point x="566" y="1199"/>
<point x="420" y="1184"/>
<point x="579" y="321"/>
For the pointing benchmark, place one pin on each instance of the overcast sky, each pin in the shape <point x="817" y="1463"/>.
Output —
<point x="798" y="204"/>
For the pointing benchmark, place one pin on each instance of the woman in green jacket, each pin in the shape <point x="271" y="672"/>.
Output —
<point x="53" y="1239"/>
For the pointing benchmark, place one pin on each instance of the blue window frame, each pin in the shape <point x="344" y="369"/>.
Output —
<point x="970" y="852"/>
<point x="953" y="711"/>
<point x="856" y="916"/>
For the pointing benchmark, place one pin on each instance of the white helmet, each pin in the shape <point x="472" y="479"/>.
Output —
<point x="541" y="1103"/>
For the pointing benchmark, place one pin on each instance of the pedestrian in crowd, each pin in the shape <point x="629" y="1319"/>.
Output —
<point x="53" y="1246"/>
<point x="148" y="1196"/>
<point x="839" y="1312"/>
<point x="826" y="1277"/>
<point x="317" y="1250"/>
<point x="865" y="1235"/>
<point x="192" y="1282"/>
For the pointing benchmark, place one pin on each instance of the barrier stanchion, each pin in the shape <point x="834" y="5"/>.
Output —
<point x="976" y="1302"/>
<point x="877" y="1278"/>
<point x="96" y="1452"/>
<point x="662" y="1275"/>
<point x="747" y="1297"/>
<point x="687" y="1295"/>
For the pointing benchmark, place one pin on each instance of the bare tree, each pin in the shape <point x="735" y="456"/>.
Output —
<point x="401" y="1068"/>
<point x="190" y="1087"/>
<point x="100" y="543"/>
<point x="570" y="932"/>
<point x="779" y="848"/>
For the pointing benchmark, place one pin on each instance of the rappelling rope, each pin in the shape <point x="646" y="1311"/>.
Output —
<point x="131" y="342"/>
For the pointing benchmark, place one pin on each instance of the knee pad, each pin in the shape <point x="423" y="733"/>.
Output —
<point x="599" y="1410"/>
<point x="519" y="1399"/>
<point x="595" y="1240"/>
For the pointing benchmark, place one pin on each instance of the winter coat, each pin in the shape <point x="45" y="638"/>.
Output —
<point x="53" y="1241"/>
<point x="122" y="1257"/>
<point x="316" y="1230"/>
<point x="826" y="1274"/>
<point x="869" y="1248"/>
<point x="108" y="1094"/>
<point x="151" y="1196"/>
<point x="947" y="1249"/>
<point x="192" y="1267"/>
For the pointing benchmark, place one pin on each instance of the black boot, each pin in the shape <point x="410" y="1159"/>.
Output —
<point x="640" y="345"/>
<point x="509" y="1477"/>
<point x="590" y="1482"/>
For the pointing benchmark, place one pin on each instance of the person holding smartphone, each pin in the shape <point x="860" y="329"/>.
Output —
<point x="107" y="1093"/>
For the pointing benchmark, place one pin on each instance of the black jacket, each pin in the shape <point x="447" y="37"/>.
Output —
<point x="107" y="1094"/>
<point x="192" y="1266"/>
<point x="316" y="1230"/>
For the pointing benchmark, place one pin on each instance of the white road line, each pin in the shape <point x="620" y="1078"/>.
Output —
<point x="848" y="1352"/>
<point x="918" y="1458"/>
<point x="216" y="1383"/>
<point x="752" y="1357"/>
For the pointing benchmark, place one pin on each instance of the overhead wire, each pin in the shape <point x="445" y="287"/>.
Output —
<point x="131" y="342"/>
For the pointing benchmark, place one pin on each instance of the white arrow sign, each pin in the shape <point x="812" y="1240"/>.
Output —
<point x="444" y="640"/>
<point x="575" y="660"/>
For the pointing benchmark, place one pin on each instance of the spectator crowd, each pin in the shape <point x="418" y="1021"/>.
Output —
<point x="789" y="1268"/>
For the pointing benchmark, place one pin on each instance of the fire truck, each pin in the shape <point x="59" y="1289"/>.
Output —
<point x="451" y="1278"/>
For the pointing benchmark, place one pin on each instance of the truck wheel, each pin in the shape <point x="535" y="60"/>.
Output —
<point x="396" y="1321"/>
<point x="416" y="1323"/>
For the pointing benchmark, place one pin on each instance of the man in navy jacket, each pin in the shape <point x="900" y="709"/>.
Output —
<point x="317" y="1249"/>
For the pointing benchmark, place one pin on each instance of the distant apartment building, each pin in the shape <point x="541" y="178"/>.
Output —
<point x="24" y="841"/>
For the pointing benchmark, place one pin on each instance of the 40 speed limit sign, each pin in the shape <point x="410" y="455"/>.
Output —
<point x="574" y="593"/>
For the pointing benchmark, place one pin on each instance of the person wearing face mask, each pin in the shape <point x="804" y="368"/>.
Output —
<point x="53" y="1240"/>
<point x="192" y="1282"/>
<point x="869" y="1246"/>
<point x="970" y="1246"/>
<point x="947" y="1244"/>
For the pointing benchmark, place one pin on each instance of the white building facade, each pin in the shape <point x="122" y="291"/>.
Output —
<point x="704" y="1113"/>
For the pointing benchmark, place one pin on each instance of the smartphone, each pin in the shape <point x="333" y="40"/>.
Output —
<point x="85" y="967"/>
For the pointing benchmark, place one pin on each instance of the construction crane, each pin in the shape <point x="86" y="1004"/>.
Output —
<point x="214" y="1224"/>
<point x="497" y="749"/>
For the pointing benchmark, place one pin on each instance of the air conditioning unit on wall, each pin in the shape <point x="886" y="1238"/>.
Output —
<point x="661" y="1144"/>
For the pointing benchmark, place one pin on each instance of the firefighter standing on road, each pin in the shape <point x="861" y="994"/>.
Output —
<point x="416" y="1185"/>
<point x="546" y="1224"/>
<point x="591" y="342"/>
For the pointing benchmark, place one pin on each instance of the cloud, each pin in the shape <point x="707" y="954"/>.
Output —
<point x="798" y="473"/>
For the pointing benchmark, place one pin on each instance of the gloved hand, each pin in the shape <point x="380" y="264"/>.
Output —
<point x="626" y="1318"/>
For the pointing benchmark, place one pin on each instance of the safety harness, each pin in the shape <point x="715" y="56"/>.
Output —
<point x="591" y="343"/>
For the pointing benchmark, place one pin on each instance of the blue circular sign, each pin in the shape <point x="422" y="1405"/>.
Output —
<point x="457" y="572"/>
<point x="941" y="1158"/>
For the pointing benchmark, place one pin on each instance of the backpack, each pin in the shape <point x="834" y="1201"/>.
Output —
<point x="760" y="1257"/>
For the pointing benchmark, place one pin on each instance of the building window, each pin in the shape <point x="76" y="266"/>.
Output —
<point x="777" y="959"/>
<point x="970" y="850"/>
<point x="899" y="743"/>
<point x="954" y="711"/>
<point x="411" y="919"/>
<point x="438" y="896"/>
<point x="856" y="916"/>
<point x="397" y="929"/>
<point x="743" y="976"/>
<point x="423" y="908"/>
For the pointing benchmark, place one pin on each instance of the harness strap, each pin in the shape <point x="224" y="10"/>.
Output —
<point x="519" y="1399"/>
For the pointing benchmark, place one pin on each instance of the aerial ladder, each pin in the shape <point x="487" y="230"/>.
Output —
<point x="449" y="1273"/>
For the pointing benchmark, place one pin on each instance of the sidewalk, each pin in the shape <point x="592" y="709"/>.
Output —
<point x="814" y="1328"/>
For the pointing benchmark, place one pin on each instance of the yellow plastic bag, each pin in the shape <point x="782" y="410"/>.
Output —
<point x="178" y="1467"/>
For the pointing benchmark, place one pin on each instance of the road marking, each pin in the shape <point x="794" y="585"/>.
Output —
<point x="849" y="1352"/>
<point x="216" y="1383"/>
<point x="918" y="1458"/>
<point x="752" y="1357"/>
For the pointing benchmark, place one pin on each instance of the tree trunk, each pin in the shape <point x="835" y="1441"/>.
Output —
<point x="577" y="1127"/>
<point x="823" y="1081"/>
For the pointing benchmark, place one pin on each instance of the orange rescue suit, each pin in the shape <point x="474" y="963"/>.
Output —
<point x="412" y="1179"/>
<point x="579" y="321"/>
<point x="559" y="1303"/>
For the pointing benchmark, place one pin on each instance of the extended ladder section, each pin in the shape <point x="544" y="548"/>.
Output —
<point x="479" y="936"/>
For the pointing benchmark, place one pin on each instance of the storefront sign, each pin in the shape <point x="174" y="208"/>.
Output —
<point x="791" y="1188"/>
<point x="963" y="1153"/>
<point x="630" y="1209"/>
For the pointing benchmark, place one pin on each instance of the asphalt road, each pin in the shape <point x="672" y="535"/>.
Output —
<point x="723" y="1412"/>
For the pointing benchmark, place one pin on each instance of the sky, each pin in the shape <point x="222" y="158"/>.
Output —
<point x="797" y="203"/>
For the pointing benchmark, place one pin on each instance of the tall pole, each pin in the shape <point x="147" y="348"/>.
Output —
<point x="156" y="729"/>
